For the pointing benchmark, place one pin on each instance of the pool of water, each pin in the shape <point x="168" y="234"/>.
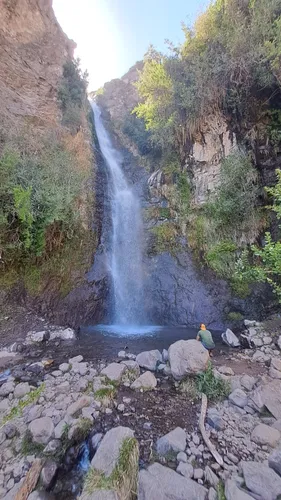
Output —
<point x="104" y="341"/>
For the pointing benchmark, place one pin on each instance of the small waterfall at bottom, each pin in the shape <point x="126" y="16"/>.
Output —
<point x="127" y="237"/>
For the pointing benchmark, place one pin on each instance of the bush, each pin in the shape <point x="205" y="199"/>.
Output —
<point x="165" y="237"/>
<point x="215" y="388"/>
<point x="72" y="94"/>
<point x="135" y="129"/>
<point x="39" y="200"/>
<point x="222" y="258"/>
<point x="235" y="204"/>
<point x="235" y="316"/>
<point x="263" y="264"/>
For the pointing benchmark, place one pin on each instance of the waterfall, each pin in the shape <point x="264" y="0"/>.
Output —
<point x="127" y="236"/>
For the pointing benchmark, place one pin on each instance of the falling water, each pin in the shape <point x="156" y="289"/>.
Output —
<point x="126" y="243"/>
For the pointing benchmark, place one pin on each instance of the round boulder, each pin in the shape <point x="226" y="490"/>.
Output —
<point x="187" y="357"/>
<point x="42" y="430"/>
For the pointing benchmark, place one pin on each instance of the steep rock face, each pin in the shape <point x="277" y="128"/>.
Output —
<point x="215" y="143"/>
<point x="33" y="49"/>
<point x="117" y="100"/>
<point x="33" y="52"/>
<point x="120" y="95"/>
<point x="177" y="290"/>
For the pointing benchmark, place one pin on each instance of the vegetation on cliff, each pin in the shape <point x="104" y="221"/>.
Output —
<point x="44" y="199"/>
<point x="263" y="264"/>
<point x="228" y="66"/>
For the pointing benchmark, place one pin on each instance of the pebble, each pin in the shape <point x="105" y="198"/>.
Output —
<point x="181" y="457"/>
<point x="198" y="474"/>
<point x="147" y="425"/>
<point x="195" y="439"/>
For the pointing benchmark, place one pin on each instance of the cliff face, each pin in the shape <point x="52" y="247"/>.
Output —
<point x="180" y="289"/>
<point x="33" y="49"/>
<point x="117" y="100"/>
<point x="36" y="60"/>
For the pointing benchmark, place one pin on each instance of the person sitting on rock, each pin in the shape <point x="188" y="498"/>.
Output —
<point x="205" y="337"/>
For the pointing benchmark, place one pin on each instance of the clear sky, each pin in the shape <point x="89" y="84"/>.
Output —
<point x="111" y="35"/>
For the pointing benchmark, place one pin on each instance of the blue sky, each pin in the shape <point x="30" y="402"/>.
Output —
<point x="111" y="35"/>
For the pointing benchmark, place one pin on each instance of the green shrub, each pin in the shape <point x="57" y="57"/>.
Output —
<point x="135" y="129"/>
<point x="222" y="258"/>
<point x="38" y="209"/>
<point x="29" y="399"/>
<point x="234" y="206"/>
<point x="235" y="316"/>
<point x="164" y="213"/>
<point x="215" y="388"/>
<point x="165" y="237"/>
<point x="221" y="491"/>
<point x="73" y="88"/>
<point x="263" y="264"/>
<point x="29" y="447"/>
<point x="188" y="387"/>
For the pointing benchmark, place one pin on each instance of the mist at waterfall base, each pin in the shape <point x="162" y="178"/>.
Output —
<point x="125" y="263"/>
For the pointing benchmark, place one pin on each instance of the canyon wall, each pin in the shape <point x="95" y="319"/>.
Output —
<point x="37" y="69"/>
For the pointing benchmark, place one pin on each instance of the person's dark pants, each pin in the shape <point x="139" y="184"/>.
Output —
<point x="210" y="349"/>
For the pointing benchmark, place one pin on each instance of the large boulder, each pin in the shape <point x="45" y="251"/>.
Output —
<point x="174" y="441"/>
<point x="114" y="371"/>
<point x="261" y="480"/>
<point x="267" y="396"/>
<point x="63" y="334"/>
<point x="265" y="435"/>
<point x="149" y="359"/>
<point x="187" y="357"/>
<point x="41" y="430"/>
<point x="159" y="482"/>
<point x="233" y="492"/>
<point x="107" y="455"/>
<point x="36" y="337"/>
<point x="146" y="382"/>
<point x="248" y="382"/>
<point x="230" y="339"/>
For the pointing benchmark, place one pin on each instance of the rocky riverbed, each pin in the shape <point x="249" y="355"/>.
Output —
<point x="129" y="427"/>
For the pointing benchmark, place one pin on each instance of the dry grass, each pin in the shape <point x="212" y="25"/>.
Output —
<point x="189" y="388"/>
<point x="124" y="477"/>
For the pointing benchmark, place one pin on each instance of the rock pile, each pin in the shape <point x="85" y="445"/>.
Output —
<point x="52" y="417"/>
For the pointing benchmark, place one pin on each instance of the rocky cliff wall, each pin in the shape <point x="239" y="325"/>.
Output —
<point x="33" y="49"/>
<point x="179" y="289"/>
<point x="33" y="53"/>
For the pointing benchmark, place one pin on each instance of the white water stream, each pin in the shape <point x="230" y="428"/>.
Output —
<point x="126" y="267"/>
